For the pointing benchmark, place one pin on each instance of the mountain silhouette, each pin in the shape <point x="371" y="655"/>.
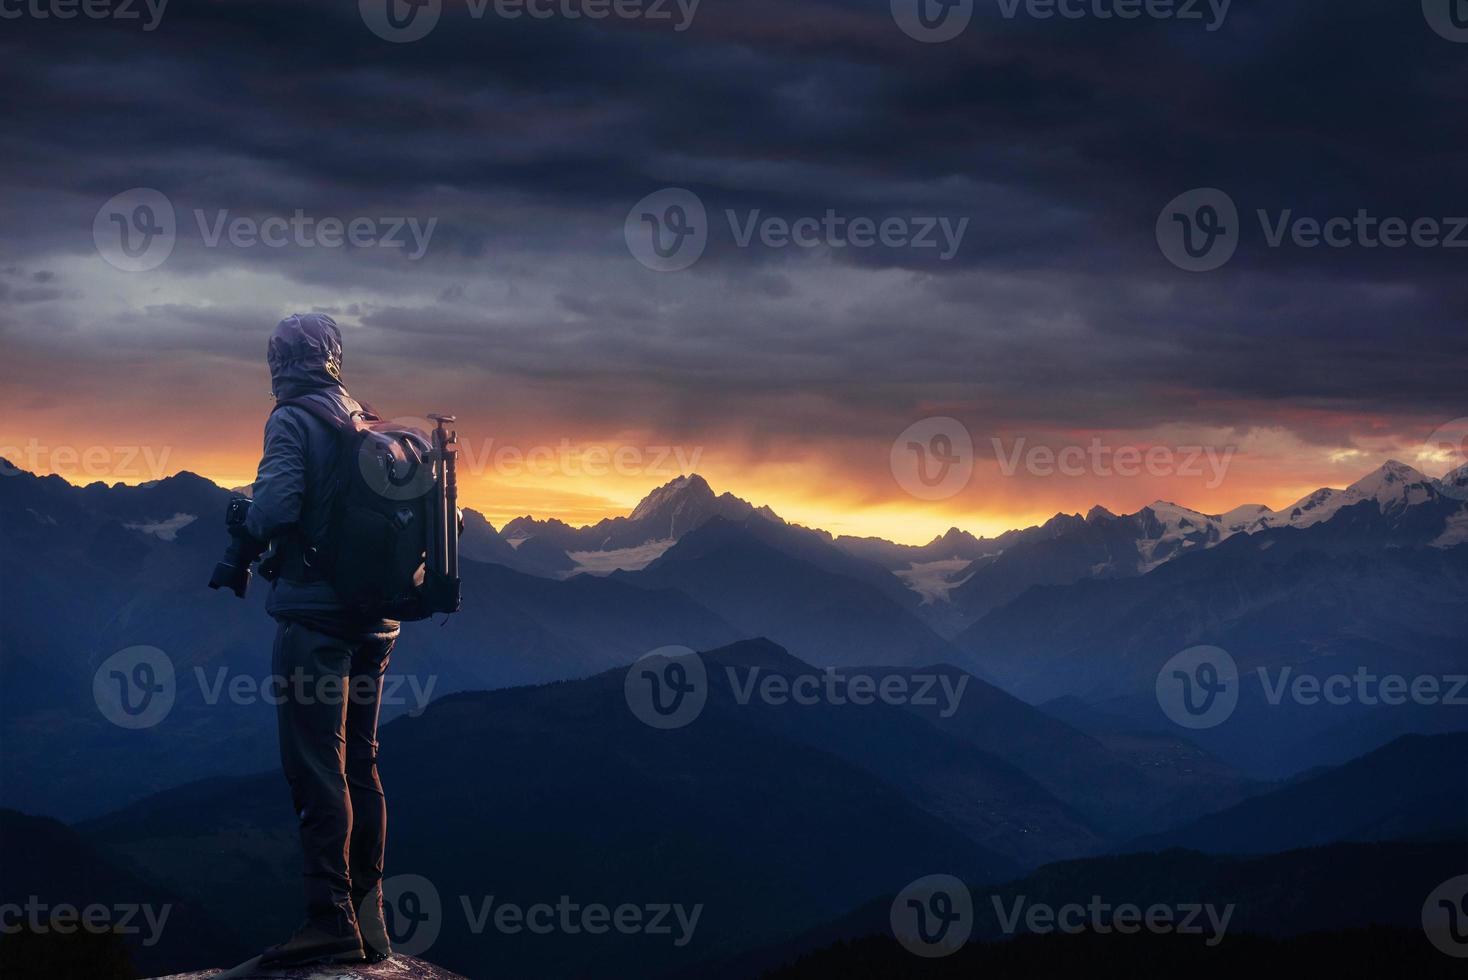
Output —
<point x="528" y="794"/>
<point x="1298" y="908"/>
<point x="1363" y="591"/>
<point x="1412" y="788"/>
<point x="764" y="590"/>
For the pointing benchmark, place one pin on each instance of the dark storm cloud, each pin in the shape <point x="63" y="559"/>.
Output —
<point x="528" y="141"/>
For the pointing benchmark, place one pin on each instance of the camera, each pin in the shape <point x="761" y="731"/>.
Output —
<point x="233" y="570"/>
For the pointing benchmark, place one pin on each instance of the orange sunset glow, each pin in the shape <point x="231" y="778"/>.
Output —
<point x="845" y="486"/>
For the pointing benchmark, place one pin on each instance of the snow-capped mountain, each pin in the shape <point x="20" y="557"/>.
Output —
<point x="1395" y="488"/>
<point x="1103" y="545"/>
<point x="661" y="518"/>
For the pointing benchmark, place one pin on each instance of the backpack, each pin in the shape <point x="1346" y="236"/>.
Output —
<point x="381" y="516"/>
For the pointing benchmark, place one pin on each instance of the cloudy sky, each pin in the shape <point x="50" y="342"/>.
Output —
<point x="982" y="244"/>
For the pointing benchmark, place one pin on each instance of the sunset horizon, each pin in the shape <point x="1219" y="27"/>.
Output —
<point x="888" y="513"/>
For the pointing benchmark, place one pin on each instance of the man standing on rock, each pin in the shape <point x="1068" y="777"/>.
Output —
<point x="331" y="648"/>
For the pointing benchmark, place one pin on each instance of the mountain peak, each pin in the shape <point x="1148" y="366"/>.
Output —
<point x="953" y="536"/>
<point x="683" y="488"/>
<point x="1099" y="513"/>
<point x="1389" y="473"/>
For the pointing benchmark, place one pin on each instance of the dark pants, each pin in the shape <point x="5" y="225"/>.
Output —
<point x="330" y="696"/>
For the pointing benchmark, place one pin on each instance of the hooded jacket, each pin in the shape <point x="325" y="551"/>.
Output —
<point x="296" y="482"/>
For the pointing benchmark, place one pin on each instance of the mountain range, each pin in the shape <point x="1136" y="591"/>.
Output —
<point x="515" y="768"/>
<point x="1075" y="615"/>
<point x="527" y="794"/>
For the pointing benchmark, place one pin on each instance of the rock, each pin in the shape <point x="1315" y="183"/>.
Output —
<point x="396" y="967"/>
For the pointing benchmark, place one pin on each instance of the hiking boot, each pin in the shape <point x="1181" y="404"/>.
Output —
<point x="318" y="941"/>
<point x="376" y="944"/>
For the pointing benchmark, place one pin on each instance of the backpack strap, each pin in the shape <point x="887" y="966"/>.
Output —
<point x="314" y="408"/>
<point x="301" y="559"/>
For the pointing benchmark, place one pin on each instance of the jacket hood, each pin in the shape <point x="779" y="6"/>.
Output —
<point x="305" y="355"/>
